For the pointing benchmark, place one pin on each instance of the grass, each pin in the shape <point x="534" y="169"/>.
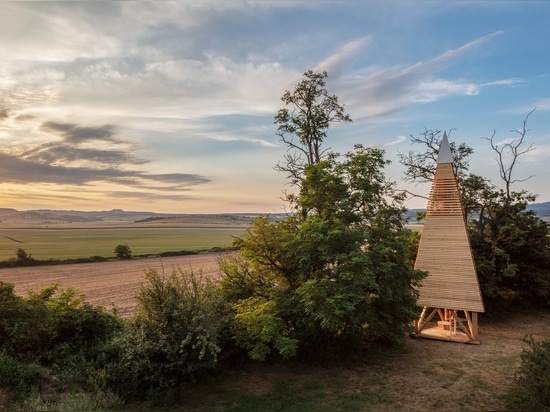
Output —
<point x="84" y="242"/>
<point x="425" y="375"/>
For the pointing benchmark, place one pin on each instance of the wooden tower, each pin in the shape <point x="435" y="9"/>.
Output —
<point x="450" y="293"/>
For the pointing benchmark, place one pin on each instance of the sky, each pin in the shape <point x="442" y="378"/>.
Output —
<point x="169" y="106"/>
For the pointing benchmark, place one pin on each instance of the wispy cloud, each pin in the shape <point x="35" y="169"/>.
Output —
<point x="398" y="140"/>
<point x="82" y="155"/>
<point x="393" y="89"/>
<point x="335" y="63"/>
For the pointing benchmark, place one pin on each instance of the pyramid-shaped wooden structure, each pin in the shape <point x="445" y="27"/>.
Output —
<point x="451" y="288"/>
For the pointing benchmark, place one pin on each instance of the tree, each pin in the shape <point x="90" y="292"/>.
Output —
<point x="511" y="245"/>
<point x="23" y="258"/>
<point x="123" y="251"/>
<point x="515" y="150"/>
<point x="308" y="120"/>
<point x="335" y="272"/>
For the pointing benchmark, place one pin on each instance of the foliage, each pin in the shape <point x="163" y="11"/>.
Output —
<point x="22" y="258"/>
<point x="36" y="327"/>
<point x="338" y="270"/>
<point x="176" y="335"/>
<point x="21" y="378"/>
<point x="532" y="392"/>
<point x="54" y="328"/>
<point x="336" y="273"/>
<point x="311" y="111"/>
<point x="74" y="401"/>
<point x="123" y="251"/>
<point x="512" y="250"/>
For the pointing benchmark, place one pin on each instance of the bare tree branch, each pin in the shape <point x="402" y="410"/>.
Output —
<point x="515" y="149"/>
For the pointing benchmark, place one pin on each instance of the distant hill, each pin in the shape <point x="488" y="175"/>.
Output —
<point x="541" y="209"/>
<point x="13" y="217"/>
<point x="6" y="212"/>
<point x="46" y="217"/>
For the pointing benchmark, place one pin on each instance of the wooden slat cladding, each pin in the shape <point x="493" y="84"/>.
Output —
<point x="443" y="195"/>
<point x="444" y="250"/>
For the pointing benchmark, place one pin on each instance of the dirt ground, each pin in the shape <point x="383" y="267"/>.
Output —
<point x="427" y="375"/>
<point x="108" y="284"/>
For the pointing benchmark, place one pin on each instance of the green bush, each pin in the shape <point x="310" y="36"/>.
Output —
<point x="532" y="392"/>
<point x="176" y="335"/>
<point x="62" y="332"/>
<point x="19" y="377"/>
<point x="24" y="331"/>
<point x="36" y="327"/>
<point x="123" y="251"/>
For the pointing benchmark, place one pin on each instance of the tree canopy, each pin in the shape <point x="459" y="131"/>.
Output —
<point x="337" y="270"/>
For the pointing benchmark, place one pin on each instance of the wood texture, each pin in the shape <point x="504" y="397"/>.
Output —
<point x="444" y="250"/>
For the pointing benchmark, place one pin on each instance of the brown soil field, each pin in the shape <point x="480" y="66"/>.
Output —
<point x="112" y="284"/>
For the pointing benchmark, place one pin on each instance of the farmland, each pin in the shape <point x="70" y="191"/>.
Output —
<point x="80" y="242"/>
<point x="111" y="284"/>
<point x="46" y="238"/>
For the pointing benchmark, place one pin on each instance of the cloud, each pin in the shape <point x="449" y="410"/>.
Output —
<point x="16" y="170"/>
<point x="396" y="141"/>
<point x="83" y="155"/>
<point x="24" y="118"/>
<point x="335" y="63"/>
<point x="81" y="146"/>
<point x="393" y="89"/>
<point x="72" y="133"/>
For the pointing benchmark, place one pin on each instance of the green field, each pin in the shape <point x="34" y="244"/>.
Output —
<point x="69" y="243"/>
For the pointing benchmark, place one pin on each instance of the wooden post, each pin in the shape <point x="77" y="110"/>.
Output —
<point x="474" y="325"/>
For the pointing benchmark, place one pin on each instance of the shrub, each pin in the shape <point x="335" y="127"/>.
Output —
<point x="123" y="251"/>
<point x="532" y="392"/>
<point x="36" y="327"/>
<point x="60" y="330"/>
<point x="176" y="335"/>
<point x="24" y="322"/>
<point x="20" y="378"/>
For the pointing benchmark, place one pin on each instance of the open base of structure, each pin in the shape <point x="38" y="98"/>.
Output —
<point x="450" y="326"/>
<point x="438" y="334"/>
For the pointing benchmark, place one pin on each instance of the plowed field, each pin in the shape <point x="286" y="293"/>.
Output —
<point x="108" y="284"/>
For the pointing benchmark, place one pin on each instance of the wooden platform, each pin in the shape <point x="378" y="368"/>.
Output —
<point x="439" y="334"/>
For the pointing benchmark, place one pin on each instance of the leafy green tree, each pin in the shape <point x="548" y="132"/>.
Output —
<point x="303" y="127"/>
<point x="123" y="251"/>
<point x="511" y="247"/>
<point x="35" y="327"/>
<point x="335" y="272"/>
<point x="22" y="258"/>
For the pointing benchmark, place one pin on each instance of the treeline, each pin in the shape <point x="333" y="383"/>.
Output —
<point x="23" y="258"/>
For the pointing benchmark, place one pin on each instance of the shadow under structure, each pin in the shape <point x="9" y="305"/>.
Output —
<point x="450" y="294"/>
